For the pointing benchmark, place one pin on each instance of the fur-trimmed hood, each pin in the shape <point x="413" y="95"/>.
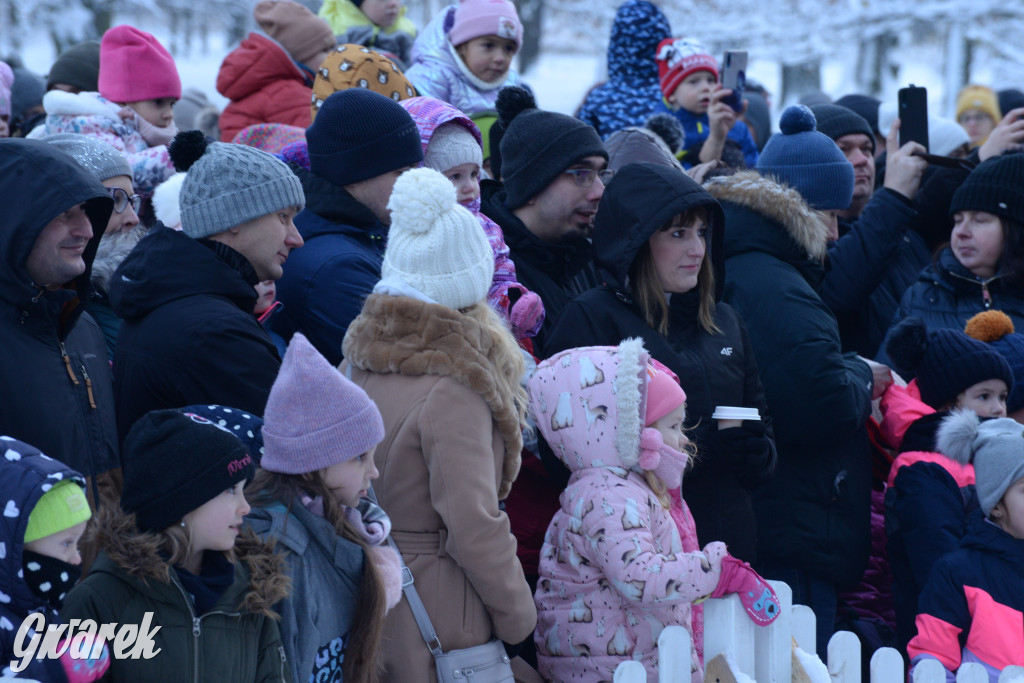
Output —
<point x="137" y="555"/>
<point x="403" y="336"/>
<point x="776" y="203"/>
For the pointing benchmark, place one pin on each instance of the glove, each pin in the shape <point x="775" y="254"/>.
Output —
<point x="155" y="135"/>
<point x="757" y="596"/>
<point x="525" y="313"/>
<point x="745" y="450"/>
<point x="82" y="667"/>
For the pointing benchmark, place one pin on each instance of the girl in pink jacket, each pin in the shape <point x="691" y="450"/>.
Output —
<point x="618" y="563"/>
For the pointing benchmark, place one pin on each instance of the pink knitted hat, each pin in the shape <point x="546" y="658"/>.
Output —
<point x="663" y="392"/>
<point x="134" y="66"/>
<point x="6" y="81"/>
<point x="477" y="18"/>
<point x="315" y="416"/>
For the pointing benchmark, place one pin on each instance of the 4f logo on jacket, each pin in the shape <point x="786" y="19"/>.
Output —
<point x="726" y="350"/>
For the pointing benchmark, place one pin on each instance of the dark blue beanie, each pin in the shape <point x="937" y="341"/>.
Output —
<point x="359" y="134"/>
<point x="808" y="161"/>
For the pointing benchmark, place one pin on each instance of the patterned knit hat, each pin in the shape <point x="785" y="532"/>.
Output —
<point x="945" y="361"/>
<point x="538" y="145"/>
<point x="301" y="33"/>
<point x="678" y="58"/>
<point x="808" y="161"/>
<point x="60" y="508"/>
<point x="355" y="66"/>
<point x="995" y="328"/>
<point x="478" y="18"/>
<point x="229" y="184"/>
<point x="6" y="81"/>
<point x="995" y="447"/>
<point x="174" y="462"/>
<point x="994" y="186"/>
<point x="360" y="134"/>
<point x="435" y="245"/>
<point x="92" y="154"/>
<point x="978" y="97"/>
<point x="452" y="145"/>
<point x="836" y="121"/>
<point x="134" y="66"/>
<point x="315" y="416"/>
<point x="78" y="66"/>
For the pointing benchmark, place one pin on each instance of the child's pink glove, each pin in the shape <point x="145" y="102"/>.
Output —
<point x="525" y="314"/>
<point x="155" y="135"/>
<point x="86" y="669"/>
<point x="757" y="596"/>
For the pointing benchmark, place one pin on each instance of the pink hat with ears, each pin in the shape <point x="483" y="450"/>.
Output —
<point x="134" y="66"/>
<point x="663" y="392"/>
<point x="478" y="18"/>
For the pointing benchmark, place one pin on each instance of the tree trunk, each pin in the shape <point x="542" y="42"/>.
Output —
<point x="530" y="14"/>
<point x="798" y="79"/>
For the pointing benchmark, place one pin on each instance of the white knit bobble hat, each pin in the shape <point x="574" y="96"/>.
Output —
<point x="452" y="145"/>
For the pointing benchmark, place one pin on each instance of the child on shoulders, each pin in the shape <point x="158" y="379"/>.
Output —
<point x="379" y="24"/>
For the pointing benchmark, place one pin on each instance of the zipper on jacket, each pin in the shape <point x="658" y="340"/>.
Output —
<point x="67" y="364"/>
<point x="985" y="296"/>
<point x="284" y="662"/>
<point x="88" y="387"/>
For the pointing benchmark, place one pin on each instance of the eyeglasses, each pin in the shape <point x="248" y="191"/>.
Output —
<point x="121" y="199"/>
<point x="585" y="177"/>
<point x="974" y="117"/>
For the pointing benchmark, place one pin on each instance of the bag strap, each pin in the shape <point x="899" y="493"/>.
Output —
<point x="419" y="612"/>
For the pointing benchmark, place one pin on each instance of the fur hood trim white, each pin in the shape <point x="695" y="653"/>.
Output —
<point x="60" y="103"/>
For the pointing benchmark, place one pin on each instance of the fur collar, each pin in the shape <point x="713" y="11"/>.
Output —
<point x="399" y="335"/>
<point x="138" y="555"/>
<point x="60" y="103"/>
<point x="777" y="202"/>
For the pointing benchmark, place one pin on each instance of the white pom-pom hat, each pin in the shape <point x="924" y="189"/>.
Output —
<point x="434" y="244"/>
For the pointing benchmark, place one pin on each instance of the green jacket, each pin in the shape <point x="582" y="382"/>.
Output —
<point x="236" y="641"/>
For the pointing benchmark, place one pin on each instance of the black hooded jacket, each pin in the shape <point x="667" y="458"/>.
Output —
<point x="189" y="334"/>
<point x="57" y="391"/>
<point x="713" y="369"/>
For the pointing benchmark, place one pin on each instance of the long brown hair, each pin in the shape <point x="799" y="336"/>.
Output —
<point x="362" y="656"/>
<point x="647" y="290"/>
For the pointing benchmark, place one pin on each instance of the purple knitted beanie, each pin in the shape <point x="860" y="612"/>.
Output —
<point x="315" y="416"/>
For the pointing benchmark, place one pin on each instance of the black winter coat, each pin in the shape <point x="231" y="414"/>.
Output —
<point x="556" y="272"/>
<point x="814" y="515"/>
<point x="189" y="334"/>
<point x="714" y="369"/>
<point x="55" y="380"/>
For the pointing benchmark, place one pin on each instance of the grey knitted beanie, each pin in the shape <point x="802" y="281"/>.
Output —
<point x="229" y="184"/>
<point x="102" y="160"/>
<point x="995" y="447"/>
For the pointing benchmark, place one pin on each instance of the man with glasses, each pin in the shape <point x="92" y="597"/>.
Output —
<point x="554" y="168"/>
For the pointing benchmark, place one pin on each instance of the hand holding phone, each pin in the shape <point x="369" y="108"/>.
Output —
<point x="734" y="77"/>
<point x="913" y="114"/>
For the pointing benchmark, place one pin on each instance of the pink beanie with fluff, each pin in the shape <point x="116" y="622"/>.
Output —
<point x="134" y="66"/>
<point x="663" y="392"/>
<point x="478" y="18"/>
<point x="315" y="416"/>
<point x="6" y="81"/>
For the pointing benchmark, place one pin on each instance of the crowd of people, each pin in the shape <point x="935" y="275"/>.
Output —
<point x="384" y="373"/>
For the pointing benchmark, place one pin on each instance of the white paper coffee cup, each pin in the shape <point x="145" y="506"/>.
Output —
<point x="733" y="416"/>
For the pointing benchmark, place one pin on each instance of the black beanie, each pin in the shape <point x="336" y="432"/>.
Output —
<point x="79" y="66"/>
<point x="835" y="122"/>
<point x="864" y="106"/>
<point x="996" y="186"/>
<point x="175" y="461"/>
<point x="538" y="145"/>
<point x="946" y="361"/>
<point x="359" y="134"/>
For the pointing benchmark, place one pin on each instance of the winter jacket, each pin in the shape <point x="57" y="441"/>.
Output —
<point x="946" y="295"/>
<point x="235" y="641"/>
<point x="714" y="370"/>
<point x="874" y="261"/>
<point x="452" y="451"/>
<point x="89" y="113"/>
<point x="343" y="15"/>
<point x="613" y="571"/>
<point x="264" y="86"/>
<point x="632" y="91"/>
<point x="323" y="286"/>
<point x="438" y="71"/>
<point x="189" y="334"/>
<point x="25" y="475"/>
<point x="696" y="130"/>
<point x="973" y="605"/>
<point x="556" y="272"/>
<point x="814" y="514"/>
<point x="54" y="373"/>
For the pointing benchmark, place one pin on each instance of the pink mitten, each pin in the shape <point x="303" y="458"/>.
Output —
<point x="526" y="315"/>
<point x="757" y="596"/>
<point x="79" y="664"/>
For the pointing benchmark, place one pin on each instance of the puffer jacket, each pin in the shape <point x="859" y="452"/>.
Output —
<point x="632" y="92"/>
<point x="343" y="16"/>
<point x="438" y="71"/>
<point x="264" y="86"/>
<point x="613" y="570"/>
<point x="814" y="515"/>
<point x="236" y="641"/>
<point x="89" y="113"/>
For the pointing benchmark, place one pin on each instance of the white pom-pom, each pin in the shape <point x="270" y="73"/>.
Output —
<point x="166" y="204"/>
<point x="419" y="198"/>
<point x="955" y="438"/>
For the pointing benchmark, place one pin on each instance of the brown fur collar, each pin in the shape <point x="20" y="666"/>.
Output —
<point x="399" y="335"/>
<point x="137" y="554"/>
<point x="780" y="203"/>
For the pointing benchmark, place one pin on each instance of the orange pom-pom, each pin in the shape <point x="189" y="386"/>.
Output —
<point x="989" y="326"/>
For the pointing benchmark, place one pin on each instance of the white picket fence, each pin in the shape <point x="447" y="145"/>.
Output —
<point x="765" y="655"/>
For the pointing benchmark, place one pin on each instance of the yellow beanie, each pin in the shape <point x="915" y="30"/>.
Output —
<point x="60" y="508"/>
<point x="978" y="97"/>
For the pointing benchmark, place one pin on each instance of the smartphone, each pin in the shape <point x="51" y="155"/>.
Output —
<point x="913" y="114"/>
<point x="734" y="77"/>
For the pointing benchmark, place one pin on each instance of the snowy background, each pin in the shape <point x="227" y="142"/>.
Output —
<point x="837" y="46"/>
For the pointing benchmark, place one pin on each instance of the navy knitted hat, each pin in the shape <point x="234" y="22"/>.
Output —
<point x="359" y="134"/>
<point x="994" y="187"/>
<point x="946" y="361"/>
<point x="996" y="329"/>
<point x="808" y="161"/>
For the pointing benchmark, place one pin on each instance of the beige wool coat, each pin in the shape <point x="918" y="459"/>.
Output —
<point x="450" y="452"/>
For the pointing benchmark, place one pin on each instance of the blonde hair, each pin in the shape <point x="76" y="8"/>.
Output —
<point x="658" y="486"/>
<point x="176" y="541"/>
<point x="506" y="355"/>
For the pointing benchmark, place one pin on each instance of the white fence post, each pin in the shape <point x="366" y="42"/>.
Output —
<point x="728" y="629"/>
<point x="805" y="627"/>
<point x="887" y="666"/>
<point x="1012" y="674"/>
<point x="929" y="671"/>
<point x="773" y="644"/>
<point x="844" y="657"/>
<point x="674" y="655"/>
<point x="971" y="672"/>
<point x="630" y="672"/>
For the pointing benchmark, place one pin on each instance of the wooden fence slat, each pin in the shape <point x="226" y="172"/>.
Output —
<point x="844" y="657"/>
<point x="674" y="655"/>
<point x="887" y="666"/>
